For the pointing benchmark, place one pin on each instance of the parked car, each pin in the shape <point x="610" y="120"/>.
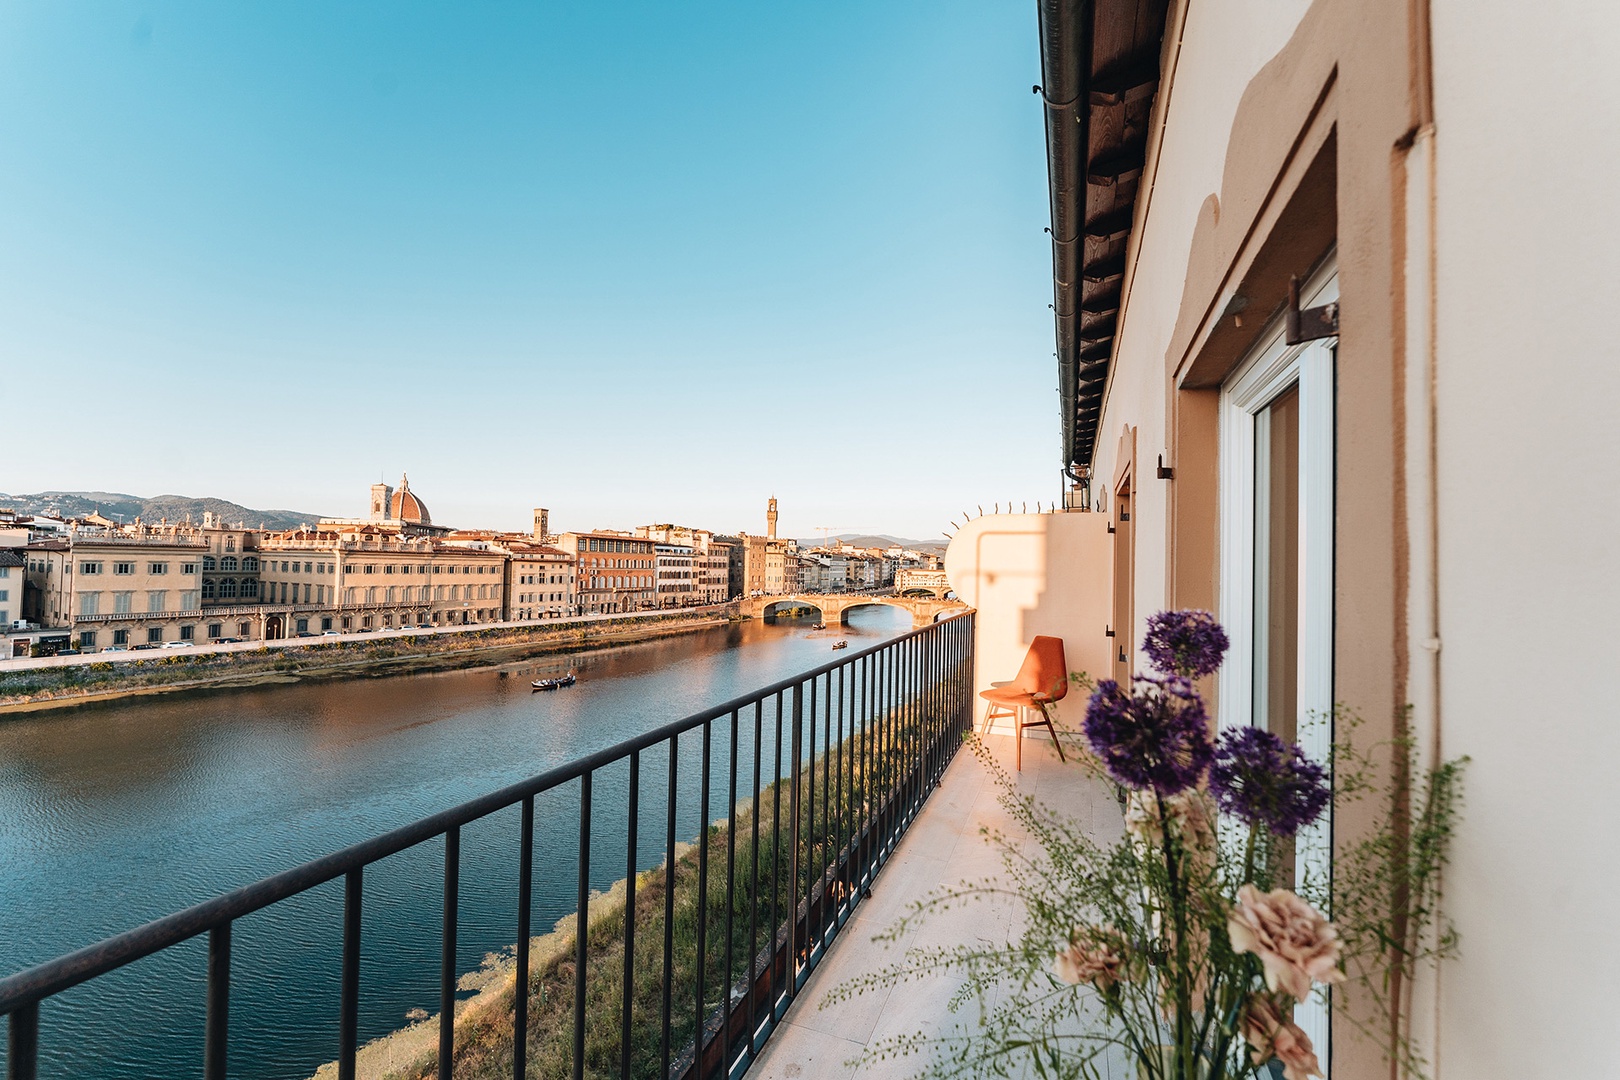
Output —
<point x="146" y="645"/>
<point x="303" y="633"/>
<point x="331" y="633"/>
<point x="226" y="640"/>
<point x="177" y="644"/>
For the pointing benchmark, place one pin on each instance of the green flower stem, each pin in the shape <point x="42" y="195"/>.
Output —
<point x="1181" y="973"/>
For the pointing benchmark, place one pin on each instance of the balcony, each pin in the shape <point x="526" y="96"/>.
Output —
<point x="745" y="840"/>
<point x="840" y="1040"/>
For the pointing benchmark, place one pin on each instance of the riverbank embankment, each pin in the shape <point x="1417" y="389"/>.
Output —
<point x="103" y="678"/>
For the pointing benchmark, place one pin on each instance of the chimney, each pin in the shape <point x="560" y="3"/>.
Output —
<point x="542" y="524"/>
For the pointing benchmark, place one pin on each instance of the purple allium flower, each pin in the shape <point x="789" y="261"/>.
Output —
<point x="1156" y="736"/>
<point x="1262" y="780"/>
<point x="1186" y="643"/>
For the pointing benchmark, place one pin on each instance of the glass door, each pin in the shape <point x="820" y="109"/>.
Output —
<point x="1277" y="569"/>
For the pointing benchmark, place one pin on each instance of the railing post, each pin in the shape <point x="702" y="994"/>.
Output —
<point x="631" y="815"/>
<point x="793" y="845"/>
<point x="582" y="924"/>
<point x="702" y="904"/>
<point x="520" y="1004"/>
<point x="216" y="1025"/>
<point x="22" y="1048"/>
<point x="669" y="904"/>
<point x="447" y="953"/>
<point x="349" y="1001"/>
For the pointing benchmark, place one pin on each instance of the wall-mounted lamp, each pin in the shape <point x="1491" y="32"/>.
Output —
<point x="1166" y="472"/>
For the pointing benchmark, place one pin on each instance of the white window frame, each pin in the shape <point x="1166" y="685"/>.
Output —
<point x="1271" y="367"/>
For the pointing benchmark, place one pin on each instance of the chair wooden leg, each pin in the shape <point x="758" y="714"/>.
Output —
<point x="1018" y="740"/>
<point x="1055" y="742"/>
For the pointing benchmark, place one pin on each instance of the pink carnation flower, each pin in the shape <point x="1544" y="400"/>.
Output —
<point x="1296" y="944"/>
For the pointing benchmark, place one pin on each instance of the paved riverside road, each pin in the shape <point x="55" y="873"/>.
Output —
<point x="122" y="656"/>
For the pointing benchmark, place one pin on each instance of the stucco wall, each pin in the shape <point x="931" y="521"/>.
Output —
<point x="1529" y="529"/>
<point x="1028" y="575"/>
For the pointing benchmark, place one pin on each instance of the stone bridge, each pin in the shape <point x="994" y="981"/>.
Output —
<point x="923" y="609"/>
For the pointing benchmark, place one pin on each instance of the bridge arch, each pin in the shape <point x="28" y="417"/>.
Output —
<point x="777" y="607"/>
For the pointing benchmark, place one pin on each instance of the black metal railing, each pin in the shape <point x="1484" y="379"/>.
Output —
<point x="822" y="774"/>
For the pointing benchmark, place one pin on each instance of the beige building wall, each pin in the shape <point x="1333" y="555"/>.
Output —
<point x="134" y="590"/>
<point x="368" y="580"/>
<point x="1030" y="575"/>
<point x="1473" y="431"/>
<point x="540" y="583"/>
<point x="1514" y="660"/>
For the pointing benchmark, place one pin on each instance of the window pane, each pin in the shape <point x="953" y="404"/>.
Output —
<point x="1277" y="600"/>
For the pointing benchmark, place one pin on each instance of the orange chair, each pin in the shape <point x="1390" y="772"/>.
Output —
<point x="1043" y="680"/>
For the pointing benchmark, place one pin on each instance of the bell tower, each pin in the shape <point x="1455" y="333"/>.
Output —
<point x="382" y="497"/>
<point x="542" y="524"/>
<point x="770" y="519"/>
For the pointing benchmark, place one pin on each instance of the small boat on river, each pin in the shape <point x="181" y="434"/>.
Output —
<point x="554" y="684"/>
<point x="840" y="645"/>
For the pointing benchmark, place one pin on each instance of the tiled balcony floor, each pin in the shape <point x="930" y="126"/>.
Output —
<point x="942" y="847"/>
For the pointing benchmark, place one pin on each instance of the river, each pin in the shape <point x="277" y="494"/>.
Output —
<point x="116" y="814"/>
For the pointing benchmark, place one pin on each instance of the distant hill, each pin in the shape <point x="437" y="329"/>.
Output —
<point x="871" y="540"/>
<point x="122" y="507"/>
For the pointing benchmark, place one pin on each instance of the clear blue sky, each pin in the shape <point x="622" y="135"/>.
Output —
<point x="630" y="261"/>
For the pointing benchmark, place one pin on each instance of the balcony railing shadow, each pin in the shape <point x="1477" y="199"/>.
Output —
<point x="836" y="1037"/>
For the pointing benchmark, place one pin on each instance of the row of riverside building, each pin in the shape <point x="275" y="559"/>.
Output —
<point x="95" y="584"/>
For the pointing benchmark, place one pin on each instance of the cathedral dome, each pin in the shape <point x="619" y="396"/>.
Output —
<point x="405" y="505"/>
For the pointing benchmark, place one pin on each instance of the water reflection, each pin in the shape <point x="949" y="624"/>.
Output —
<point x="113" y="815"/>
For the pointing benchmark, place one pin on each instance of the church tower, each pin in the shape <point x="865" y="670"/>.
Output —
<point x="542" y="524"/>
<point x="382" y="496"/>
<point x="770" y="519"/>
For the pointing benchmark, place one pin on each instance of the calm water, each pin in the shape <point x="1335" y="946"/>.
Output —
<point x="112" y="816"/>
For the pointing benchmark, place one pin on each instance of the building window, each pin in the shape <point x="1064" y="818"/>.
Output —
<point x="227" y="587"/>
<point x="210" y="589"/>
<point x="157" y="568"/>
<point x="306" y="593"/>
<point x="243" y="630"/>
<point x="89" y="603"/>
<point x="250" y="563"/>
<point x="187" y="633"/>
<point x="347" y="622"/>
<point x="87" y="639"/>
<point x="90" y="568"/>
<point x="154" y="634"/>
<point x="365" y="621"/>
<point x="188" y="568"/>
<point x="157" y="600"/>
<point x="124" y="568"/>
<point x="302" y="626"/>
<point x="230" y="543"/>
<point x="123" y="603"/>
<point x="209" y="563"/>
<point x="326" y="623"/>
<point x="120" y="637"/>
<point x="370" y="568"/>
<point x="227" y="563"/>
<point x="216" y="630"/>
